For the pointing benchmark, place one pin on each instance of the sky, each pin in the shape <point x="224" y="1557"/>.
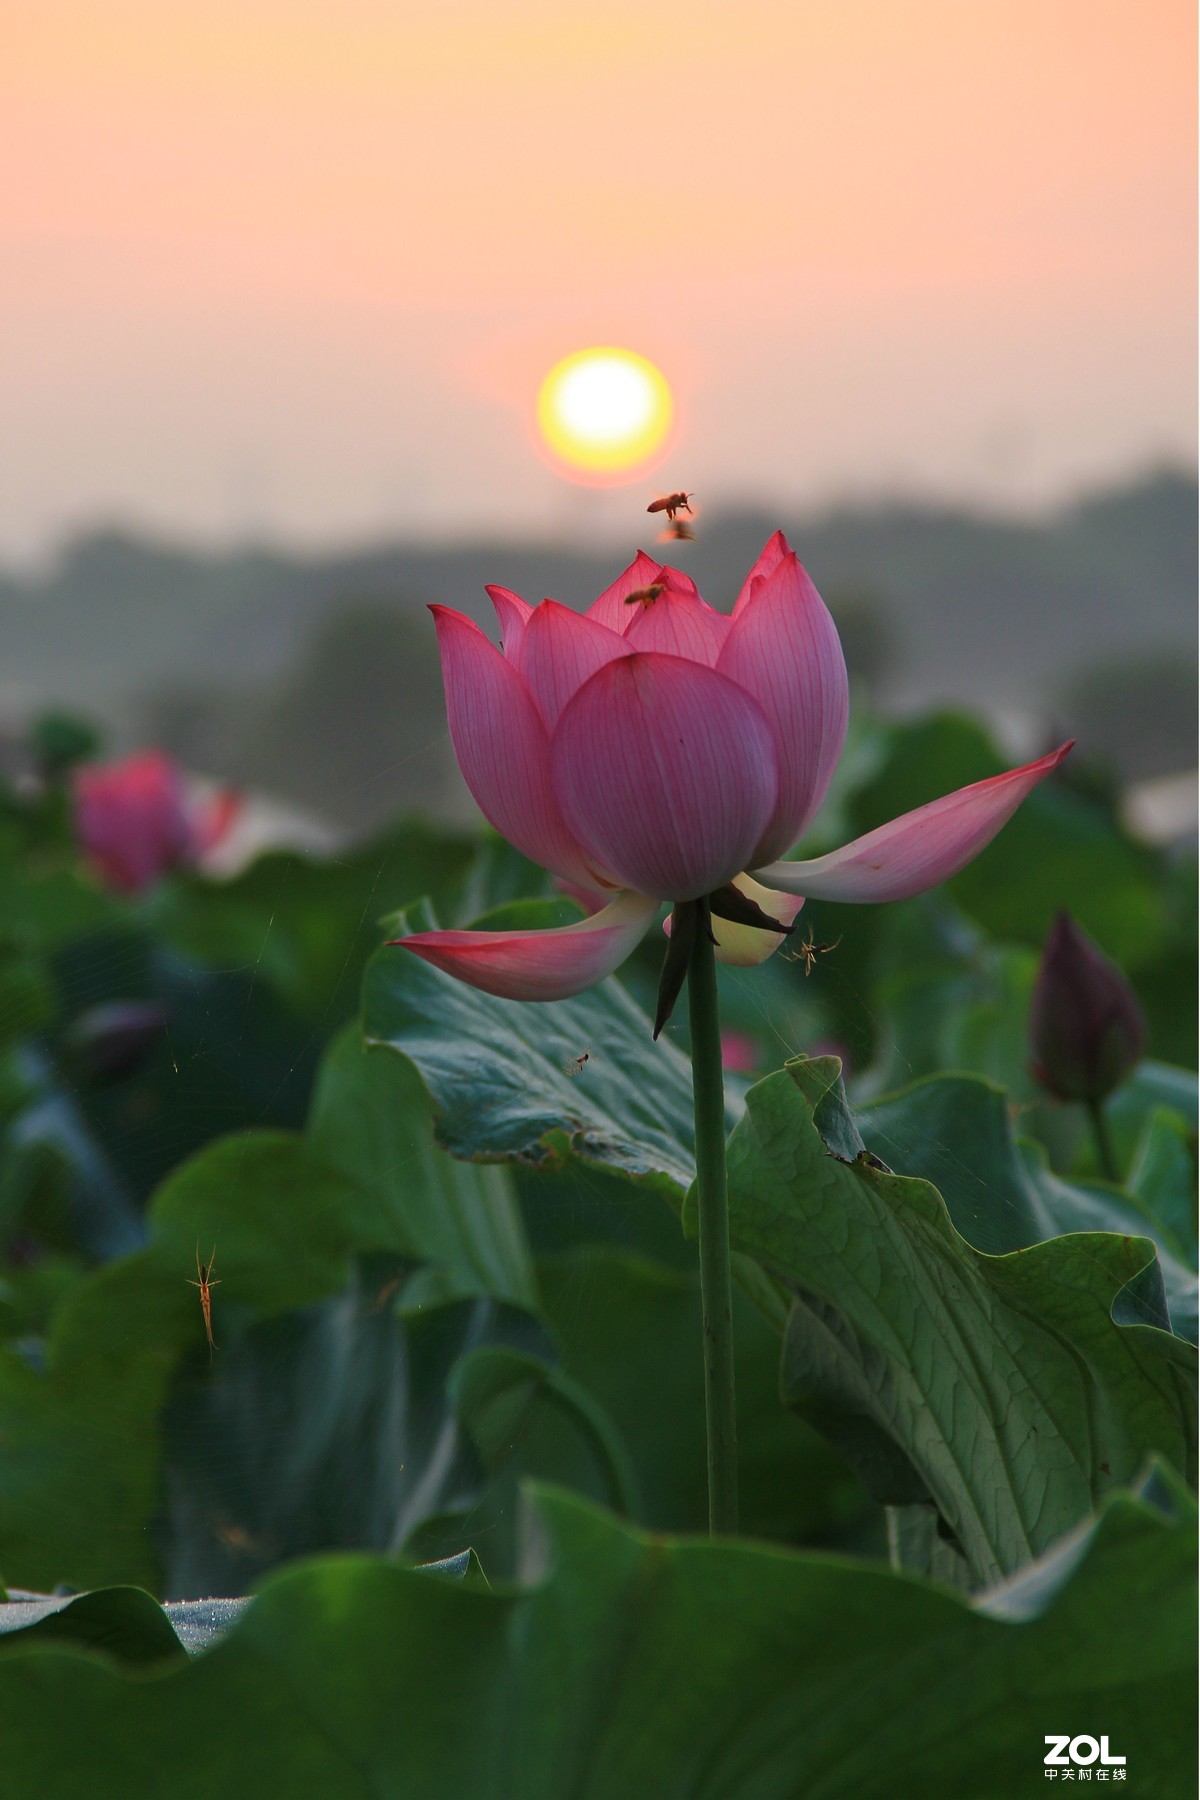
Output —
<point x="293" y="269"/>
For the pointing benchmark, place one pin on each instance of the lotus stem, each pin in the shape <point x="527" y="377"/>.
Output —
<point x="1103" y="1140"/>
<point x="716" y="1292"/>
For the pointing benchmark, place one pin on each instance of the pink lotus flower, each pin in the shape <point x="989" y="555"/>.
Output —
<point x="136" y="820"/>
<point x="656" y="750"/>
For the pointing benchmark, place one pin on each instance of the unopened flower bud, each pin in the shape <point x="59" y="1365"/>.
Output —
<point x="1086" y="1028"/>
<point x="112" y="1041"/>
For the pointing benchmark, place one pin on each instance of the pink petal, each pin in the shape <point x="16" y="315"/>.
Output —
<point x="919" y="849"/>
<point x="503" y="748"/>
<point x="133" y="819"/>
<point x="610" y="608"/>
<point x="745" y="946"/>
<point x="771" y="554"/>
<point x="740" y="1054"/>
<point x="665" y="772"/>
<point x="679" y="624"/>
<point x="559" y="651"/>
<point x="213" y="821"/>
<point x="539" y="965"/>
<point x="783" y="648"/>
<point x="512" y="613"/>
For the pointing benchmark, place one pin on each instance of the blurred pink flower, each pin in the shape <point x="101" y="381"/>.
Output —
<point x="739" y="1052"/>
<point x="653" y="749"/>
<point x="136" y="820"/>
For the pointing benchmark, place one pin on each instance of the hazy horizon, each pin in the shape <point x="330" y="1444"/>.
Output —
<point x="292" y="273"/>
<point x="618" y="521"/>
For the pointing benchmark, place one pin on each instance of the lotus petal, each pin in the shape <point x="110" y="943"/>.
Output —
<point x="919" y="849"/>
<point x="503" y="748"/>
<point x="610" y="609"/>
<point x="560" y="649"/>
<point x="679" y="623"/>
<point x="512" y="614"/>
<point x="665" y="772"/>
<point x="783" y="648"/>
<point x="539" y="965"/>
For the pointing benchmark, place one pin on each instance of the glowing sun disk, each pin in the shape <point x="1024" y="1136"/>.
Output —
<point x="604" y="410"/>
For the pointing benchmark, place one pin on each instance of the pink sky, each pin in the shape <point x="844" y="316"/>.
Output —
<point x="296" y="267"/>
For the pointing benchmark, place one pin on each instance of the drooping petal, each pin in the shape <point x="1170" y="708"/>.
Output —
<point x="560" y="649"/>
<point x="610" y="608"/>
<point x="919" y="849"/>
<point x="783" y="648"/>
<point x="511" y="614"/>
<point x="679" y="623"/>
<point x="503" y="748"/>
<point x="772" y="553"/>
<point x="746" y="945"/>
<point x="539" y="965"/>
<point x="665" y="772"/>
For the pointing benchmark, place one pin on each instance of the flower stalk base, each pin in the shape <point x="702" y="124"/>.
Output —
<point x="716" y="1291"/>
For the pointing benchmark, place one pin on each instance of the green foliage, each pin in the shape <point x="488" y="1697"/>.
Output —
<point x="499" y="1072"/>
<point x="634" y="1665"/>
<point x="443" y="1269"/>
<point x="1010" y="1390"/>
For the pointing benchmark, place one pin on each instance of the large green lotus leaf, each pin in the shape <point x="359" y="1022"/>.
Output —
<point x="1163" y="1177"/>
<point x="287" y="1226"/>
<point x="498" y="1069"/>
<point x="634" y="1665"/>
<point x="327" y="1428"/>
<point x="999" y="1387"/>
<point x="615" y="1315"/>
<point x="957" y="1131"/>
<point x="370" y="1120"/>
<point x="46" y="901"/>
<point x="124" y="1623"/>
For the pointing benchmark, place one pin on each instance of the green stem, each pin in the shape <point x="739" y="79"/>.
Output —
<point x="1103" y="1140"/>
<point x="708" y="1094"/>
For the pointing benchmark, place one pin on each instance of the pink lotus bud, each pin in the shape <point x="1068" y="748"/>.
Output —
<point x="137" y="821"/>
<point x="1086" y="1028"/>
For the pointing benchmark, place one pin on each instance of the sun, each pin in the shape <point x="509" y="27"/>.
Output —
<point x="604" y="412"/>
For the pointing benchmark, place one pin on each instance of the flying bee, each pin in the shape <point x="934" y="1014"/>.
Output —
<point x="670" y="504"/>
<point x="678" y="531"/>
<point x="574" y="1064"/>
<point x="645" y="595"/>
<point x="808" y="952"/>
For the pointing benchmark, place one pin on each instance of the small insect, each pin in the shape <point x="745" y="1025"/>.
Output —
<point x="645" y="595"/>
<point x="387" y="1292"/>
<point x="206" y="1284"/>
<point x="678" y="531"/>
<point x="574" y="1064"/>
<point x="670" y="504"/>
<point x="808" y="952"/>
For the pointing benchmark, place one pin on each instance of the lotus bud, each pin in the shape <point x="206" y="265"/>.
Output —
<point x="1086" y="1028"/>
<point x="112" y="1041"/>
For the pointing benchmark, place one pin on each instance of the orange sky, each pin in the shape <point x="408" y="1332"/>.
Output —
<point x="297" y="266"/>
